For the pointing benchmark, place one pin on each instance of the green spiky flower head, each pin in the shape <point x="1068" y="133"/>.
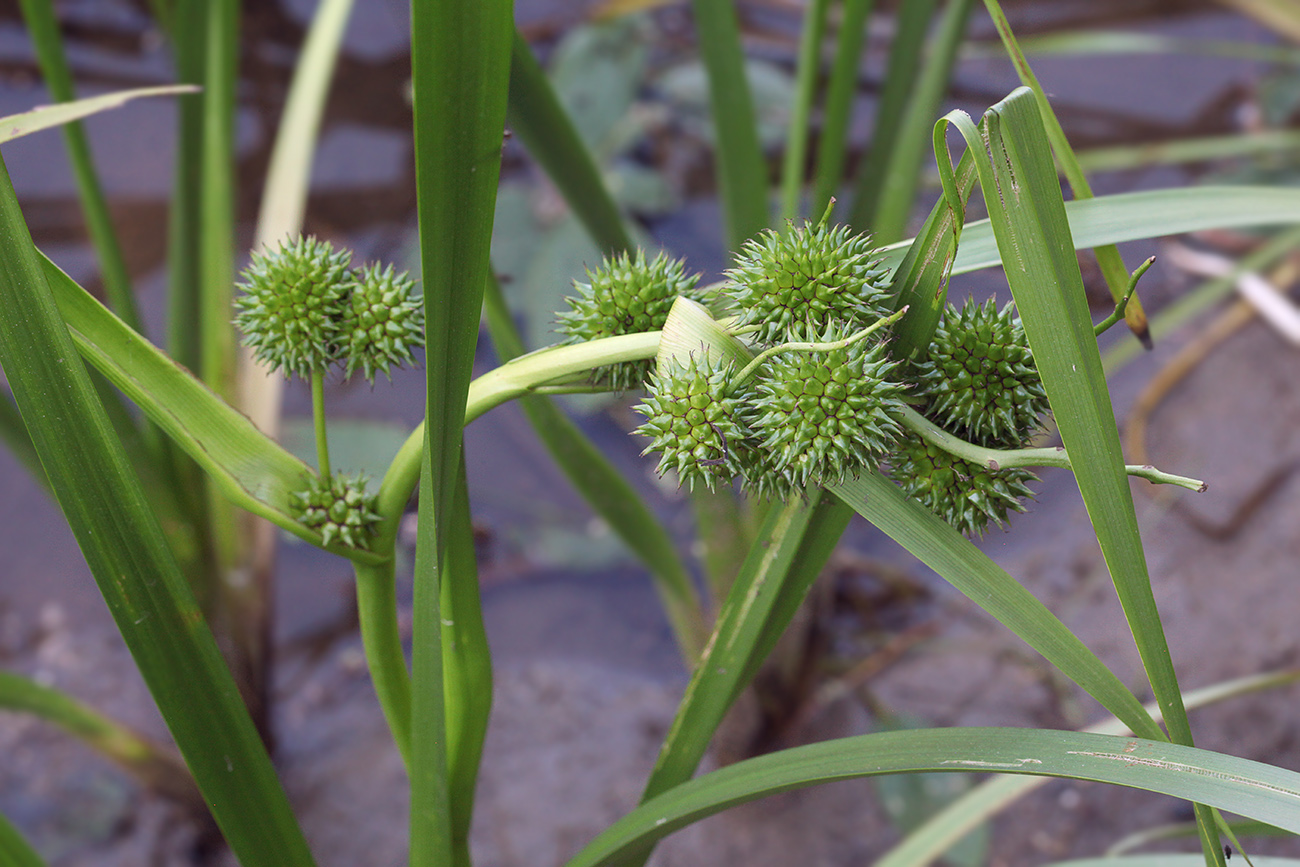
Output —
<point x="797" y="283"/>
<point x="967" y="495"/>
<point x="980" y="381"/>
<point x="383" y="320"/>
<point x="626" y="295"/>
<point x="693" y="424"/>
<point x="293" y="299"/>
<point x="339" y="508"/>
<point x="824" y="416"/>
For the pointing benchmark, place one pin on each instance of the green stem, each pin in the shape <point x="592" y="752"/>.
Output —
<point x="382" y="640"/>
<point x="318" y="420"/>
<point x="1005" y="459"/>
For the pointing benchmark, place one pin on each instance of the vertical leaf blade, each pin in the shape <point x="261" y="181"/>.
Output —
<point x="904" y="63"/>
<point x="14" y="848"/>
<point x="41" y="21"/>
<point x="832" y="143"/>
<point x="536" y="116"/>
<point x="1043" y="273"/>
<point x="902" y="176"/>
<point x="742" y="171"/>
<point x="1038" y="255"/>
<point x="460" y="63"/>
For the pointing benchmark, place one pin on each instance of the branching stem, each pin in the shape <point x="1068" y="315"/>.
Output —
<point x="1004" y="459"/>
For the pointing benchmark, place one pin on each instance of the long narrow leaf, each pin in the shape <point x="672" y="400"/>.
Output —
<point x="189" y="48"/>
<point x="1108" y="258"/>
<point x="536" y="116"/>
<point x="905" y="55"/>
<point x="971" y="572"/>
<point x="124" y="547"/>
<point x="807" y="72"/>
<point x="1167" y="860"/>
<point x="467" y="669"/>
<point x="1028" y="217"/>
<point x="44" y="27"/>
<point x="718" y="676"/>
<point x="216" y="238"/>
<point x="1131" y="216"/>
<point x="149" y="450"/>
<point x="49" y="116"/>
<point x="233" y="601"/>
<point x="156" y="767"/>
<point x="903" y="175"/>
<point x="921" y="279"/>
<point x="832" y="142"/>
<point x="729" y="658"/>
<point x="813" y="548"/>
<point x="945" y="828"/>
<point x="1043" y="273"/>
<point x="1251" y="789"/>
<point x="15" y="851"/>
<point x="460" y="63"/>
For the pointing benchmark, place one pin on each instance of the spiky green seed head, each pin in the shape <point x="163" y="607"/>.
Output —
<point x="626" y="295"/>
<point x="980" y="381"/>
<point x="795" y="284"/>
<point x="383" y="320"/>
<point x="293" y="299"/>
<point x="695" y="427"/>
<point x="966" y="495"/>
<point x="824" y="417"/>
<point x="339" y="508"/>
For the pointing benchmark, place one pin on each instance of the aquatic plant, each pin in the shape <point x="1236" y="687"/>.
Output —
<point x="825" y="362"/>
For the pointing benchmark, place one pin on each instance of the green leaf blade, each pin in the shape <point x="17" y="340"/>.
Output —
<point x="460" y="63"/>
<point x="742" y="170"/>
<point x="1252" y="789"/>
<point x="1043" y="273"/>
<point x="971" y="572"/>
<point x="537" y="117"/>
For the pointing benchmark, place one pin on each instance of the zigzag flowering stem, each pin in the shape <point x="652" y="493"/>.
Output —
<point x="750" y="369"/>
<point x="1002" y="459"/>
<point x="1103" y="326"/>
